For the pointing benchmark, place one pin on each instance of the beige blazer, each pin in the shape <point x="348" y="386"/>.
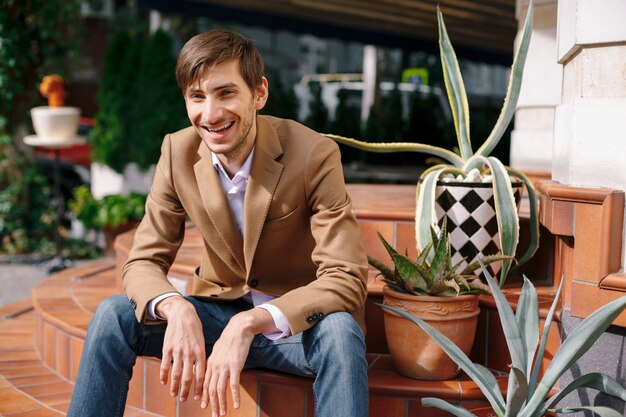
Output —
<point x="301" y="242"/>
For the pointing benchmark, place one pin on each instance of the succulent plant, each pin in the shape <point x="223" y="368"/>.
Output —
<point x="527" y="395"/>
<point x="466" y="160"/>
<point x="436" y="276"/>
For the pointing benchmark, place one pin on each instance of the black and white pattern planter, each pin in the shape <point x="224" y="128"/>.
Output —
<point x="472" y="223"/>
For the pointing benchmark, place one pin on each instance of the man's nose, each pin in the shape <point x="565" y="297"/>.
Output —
<point x="212" y="112"/>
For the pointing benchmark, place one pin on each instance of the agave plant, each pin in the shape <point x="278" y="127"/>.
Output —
<point x="527" y="396"/>
<point x="466" y="160"/>
<point x="432" y="277"/>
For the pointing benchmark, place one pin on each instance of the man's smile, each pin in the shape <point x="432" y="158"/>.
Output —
<point x="220" y="129"/>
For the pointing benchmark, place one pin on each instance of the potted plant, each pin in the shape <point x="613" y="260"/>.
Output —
<point x="527" y="395"/>
<point x="442" y="294"/>
<point x="54" y="123"/>
<point x="112" y="214"/>
<point x="475" y="178"/>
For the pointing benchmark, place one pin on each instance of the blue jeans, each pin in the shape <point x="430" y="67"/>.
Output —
<point x="332" y="352"/>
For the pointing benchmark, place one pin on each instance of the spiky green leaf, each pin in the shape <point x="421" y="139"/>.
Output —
<point x="442" y="153"/>
<point x="491" y="380"/>
<point x="408" y="272"/>
<point x="533" y="225"/>
<point x="384" y="270"/>
<point x="515" y="392"/>
<point x="455" y="88"/>
<point x="444" y="285"/>
<point x="486" y="260"/>
<point x="595" y="380"/>
<point x="513" y="90"/>
<point x="576" y="344"/>
<point x="446" y="406"/>
<point x="514" y="341"/>
<point x="506" y="210"/>
<point x="544" y="341"/>
<point x="601" y="411"/>
<point x="527" y="316"/>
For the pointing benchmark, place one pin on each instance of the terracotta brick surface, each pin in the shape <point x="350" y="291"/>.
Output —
<point x="283" y="400"/>
<point x="49" y="345"/>
<point x="373" y="245"/>
<point x="62" y="364"/>
<point x="388" y="406"/>
<point x="136" y="385"/>
<point x="405" y="238"/>
<point x="46" y="389"/>
<point x="158" y="399"/>
<point x="39" y="412"/>
<point x="415" y="409"/>
<point x="76" y="348"/>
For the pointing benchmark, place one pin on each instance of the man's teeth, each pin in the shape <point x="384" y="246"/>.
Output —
<point x="220" y="129"/>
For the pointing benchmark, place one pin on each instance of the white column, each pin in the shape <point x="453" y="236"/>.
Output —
<point x="590" y="124"/>
<point x="531" y="140"/>
<point x="370" y="63"/>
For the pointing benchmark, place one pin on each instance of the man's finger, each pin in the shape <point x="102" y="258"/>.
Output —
<point x="187" y="377"/>
<point x="177" y="370"/>
<point x="166" y="364"/>
<point x="213" y="394"/>
<point x="205" y="389"/>
<point x="221" y="393"/>
<point x="199" y="370"/>
<point x="234" y="388"/>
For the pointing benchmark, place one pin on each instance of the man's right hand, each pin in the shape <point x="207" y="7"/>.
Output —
<point x="183" y="347"/>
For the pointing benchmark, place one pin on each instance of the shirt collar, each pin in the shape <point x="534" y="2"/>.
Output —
<point x="243" y="173"/>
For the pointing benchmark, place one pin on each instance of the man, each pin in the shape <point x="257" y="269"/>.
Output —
<point x="281" y="283"/>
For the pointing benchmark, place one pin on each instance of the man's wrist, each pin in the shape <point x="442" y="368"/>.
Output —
<point x="166" y="305"/>
<point x="256" y="321"/>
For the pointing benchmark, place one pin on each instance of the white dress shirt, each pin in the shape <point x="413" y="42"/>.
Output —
<point x="235" y="189"/>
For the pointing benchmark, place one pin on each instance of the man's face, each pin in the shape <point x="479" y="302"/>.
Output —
<point x="222" y="108"/>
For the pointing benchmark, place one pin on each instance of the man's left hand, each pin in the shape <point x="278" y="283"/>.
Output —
<point x="228" y="358"/>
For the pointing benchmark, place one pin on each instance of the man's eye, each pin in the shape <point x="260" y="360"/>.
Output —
<point x="228" y="92"/>
<point x="196" y="97"/>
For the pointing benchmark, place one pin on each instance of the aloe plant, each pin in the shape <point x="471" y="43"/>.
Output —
<point x="466" y="160"/>
<point x="527" y="396"/>
<point x="432" y="277"/>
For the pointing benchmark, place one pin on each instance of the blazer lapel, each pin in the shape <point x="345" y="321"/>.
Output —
<point x="264" y="176"/>
<point x="216" y="204"/>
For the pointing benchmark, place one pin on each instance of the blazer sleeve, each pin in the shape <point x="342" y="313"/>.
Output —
<point x="157" y="239"/>
<point x="339" y="255"/>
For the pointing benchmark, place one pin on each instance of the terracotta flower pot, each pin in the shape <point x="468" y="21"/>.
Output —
<point x="414" y="353"/>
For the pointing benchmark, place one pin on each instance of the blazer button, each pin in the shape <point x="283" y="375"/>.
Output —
<point x="320" y="315"/>
<point x="133" y="304"/>
<point x="310" y="319"/>
<point x="254" y="283"/>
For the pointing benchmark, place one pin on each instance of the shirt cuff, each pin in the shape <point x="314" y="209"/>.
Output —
<point x="280" y="321"/>
<point x="152" y="315"/>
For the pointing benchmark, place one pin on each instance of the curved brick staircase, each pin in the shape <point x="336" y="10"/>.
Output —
<point x="42" y="338"/>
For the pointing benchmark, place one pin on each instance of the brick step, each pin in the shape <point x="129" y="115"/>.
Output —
<point x="44" y="355"/>
<point x="54" y="332"/>
<point x="28" y="386"/>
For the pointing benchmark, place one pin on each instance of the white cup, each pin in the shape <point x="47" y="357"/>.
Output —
<point x="55" y="124"/>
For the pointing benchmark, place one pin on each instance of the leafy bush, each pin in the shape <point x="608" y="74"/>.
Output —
<point x="109" y="212"/>
<point x="139" y="101"/>
<point x="37" y="37"/>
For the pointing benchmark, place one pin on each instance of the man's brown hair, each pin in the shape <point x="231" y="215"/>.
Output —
<point x="214" y="47"/>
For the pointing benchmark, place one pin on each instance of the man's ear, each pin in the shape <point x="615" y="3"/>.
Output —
<point x="261" y="94"/>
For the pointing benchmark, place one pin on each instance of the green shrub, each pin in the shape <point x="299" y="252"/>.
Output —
<point x="139" y="101"/>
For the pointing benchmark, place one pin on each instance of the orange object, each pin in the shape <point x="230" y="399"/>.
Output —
<point x="413" y="351"/>
<point x="51" y="87"/>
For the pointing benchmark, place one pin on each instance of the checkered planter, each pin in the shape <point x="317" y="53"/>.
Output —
<point x="472" y="223"/>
